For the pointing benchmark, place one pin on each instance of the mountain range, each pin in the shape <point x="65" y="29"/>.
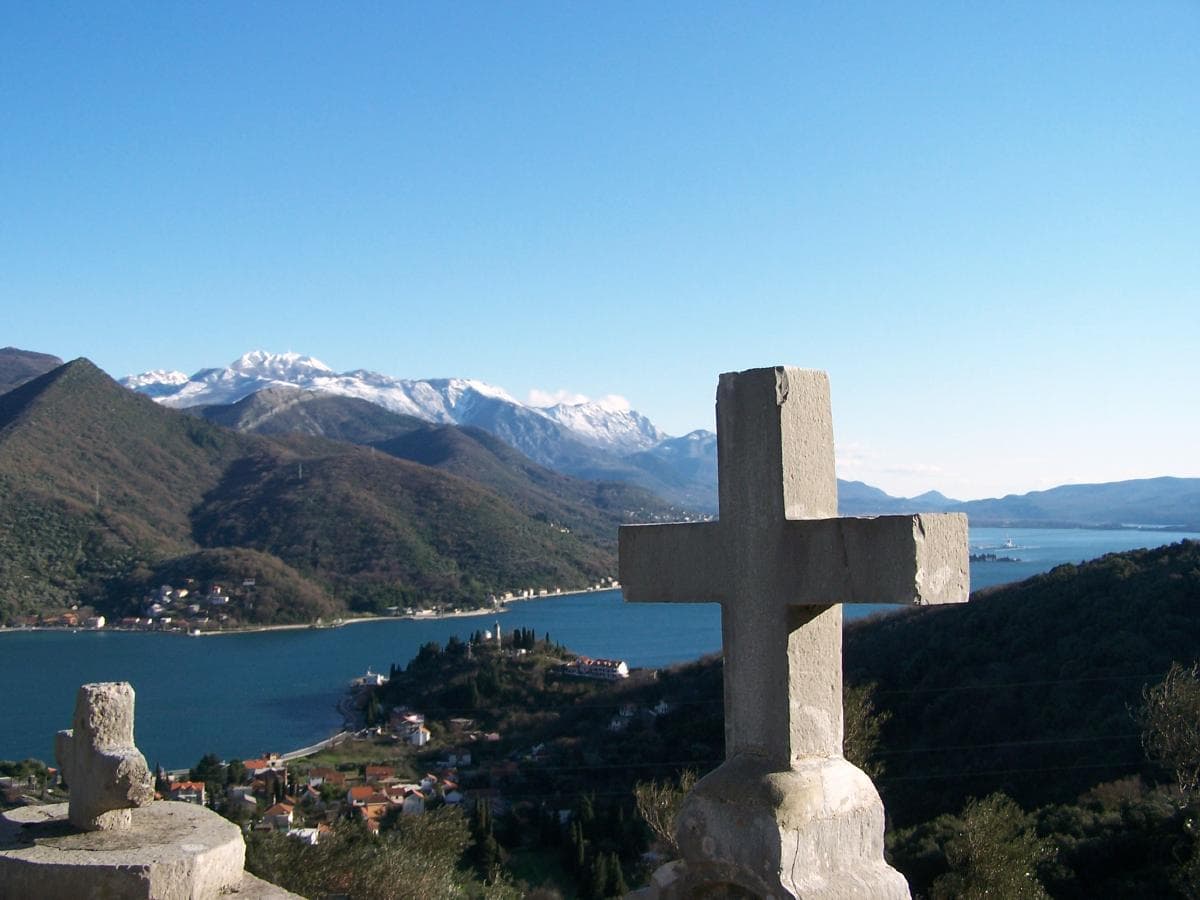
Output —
<point x="105" y="494"/>
<point x="594" y="440"/>
<point x="607" y="441"/>
<point x="329" y="502"/>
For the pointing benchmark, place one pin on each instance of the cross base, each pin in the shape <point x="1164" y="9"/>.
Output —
<point x="171" y="851"/>
<point x="812" y="833"/>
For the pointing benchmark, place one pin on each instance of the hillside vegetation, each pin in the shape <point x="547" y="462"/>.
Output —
<point x="1028" y="688"/>
<point x="1004" y="734"/>
<point x="591" y="509"/>
<point x="19" y="366"/>
<point x="103" y="491"/>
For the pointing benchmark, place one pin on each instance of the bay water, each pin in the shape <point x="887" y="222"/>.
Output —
<point x="239" y="695"/>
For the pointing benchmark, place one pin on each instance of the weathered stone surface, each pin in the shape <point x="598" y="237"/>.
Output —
<point x="171" y="851"/>
<point x="253" y="888"/>
<point x="785" y="815"/>
<point x="814" y="831"/>
<point x="107" y="774"/>
<point x="97" y="847"/>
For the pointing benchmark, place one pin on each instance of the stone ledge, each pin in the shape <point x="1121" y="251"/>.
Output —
<point x="254" y="888"/>
<point x="173" y="851"/>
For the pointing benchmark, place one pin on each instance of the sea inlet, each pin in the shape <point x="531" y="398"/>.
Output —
<point x="238" y="695"/>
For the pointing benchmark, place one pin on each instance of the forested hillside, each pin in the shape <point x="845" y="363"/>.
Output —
<point x="104" y="493"/>
<point x="1005" y="736"/>
<point x="593" y="509"/>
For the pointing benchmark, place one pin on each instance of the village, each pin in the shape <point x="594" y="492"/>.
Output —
<point x="196" y="609"/>
<point x="399" y="759"/>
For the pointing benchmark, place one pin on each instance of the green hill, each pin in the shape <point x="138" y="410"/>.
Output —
<point x="288" y="410"/>
<point x="94" y="479"/>
<point x="381" y="531"/>
<point x="102" y="489"/>
<point x="19" y="366"/>
<point x="1027" y="688"/>
<point x="591" y="509"/>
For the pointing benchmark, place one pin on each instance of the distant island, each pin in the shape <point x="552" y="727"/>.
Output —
<point x="992" y="557"/>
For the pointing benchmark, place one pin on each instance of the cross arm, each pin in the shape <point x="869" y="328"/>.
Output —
<point x="916" y="560"/>
<point x="681" y="563"/>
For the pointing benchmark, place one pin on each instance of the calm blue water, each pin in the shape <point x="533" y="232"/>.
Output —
<point x="239" y="695"/>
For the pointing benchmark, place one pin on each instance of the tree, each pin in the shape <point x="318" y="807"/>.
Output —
<point x="1170" y="720"/>
<point x="374" y="713"/>
<point x="617" y="886"/>
<point x="488" y="680"/>
<point x="597" y="885"/>
<point x="575" y="850"/>
<point x="658" y="804"/>
<point x="995" y="853"/>
<point x="419" y="859"/>
<point x="427" y="654"/>
<point x="585" y="810"/>
<point x="209" y="770"/>
<point x="862" y="724"/>
<point x="486" y="853"/>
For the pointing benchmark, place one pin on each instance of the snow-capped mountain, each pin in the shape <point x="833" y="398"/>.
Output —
<point x="281" y="366"/>
<point x="441" y="400"/>
<point x="606" y="424"/>
<point x="157" y="384"/>
<point x="609" y="423"/>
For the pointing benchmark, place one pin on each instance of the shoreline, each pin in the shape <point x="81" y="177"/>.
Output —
<point x="338" y="623"/>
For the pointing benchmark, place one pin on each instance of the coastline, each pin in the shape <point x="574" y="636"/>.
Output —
<point x="337" y="623"/>
<point x="255" y="629"/>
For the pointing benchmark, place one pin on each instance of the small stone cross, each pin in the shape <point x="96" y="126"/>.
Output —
<point x="780" y="564"/>
<point x="107" y="774"/>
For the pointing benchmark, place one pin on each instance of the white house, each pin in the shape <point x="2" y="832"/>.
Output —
<point x="419" y="736"/>
<point x="604" y="669"/>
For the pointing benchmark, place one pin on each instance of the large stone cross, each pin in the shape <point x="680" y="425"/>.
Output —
<point x="107" y="774"/>
<point x="781" y="563"/>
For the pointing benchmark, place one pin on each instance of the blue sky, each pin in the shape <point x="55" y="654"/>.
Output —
<point x="981" y="219"/>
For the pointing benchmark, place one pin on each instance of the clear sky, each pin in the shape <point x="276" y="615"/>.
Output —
<point x="983" y="219"/>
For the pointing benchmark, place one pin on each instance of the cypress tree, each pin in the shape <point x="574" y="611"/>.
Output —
<point x="598" y="883"/>
<point x="616" y="886"/>
<point x="586" y="810"/>
<point x="579" y="845"/>
<point x="550" y="828"/>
